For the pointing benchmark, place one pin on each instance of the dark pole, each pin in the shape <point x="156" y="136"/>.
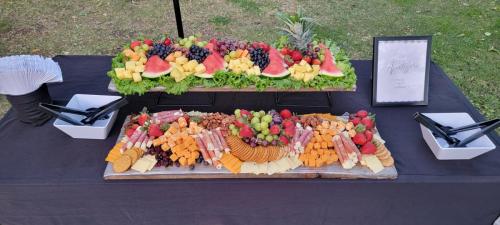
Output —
<point x="178" y="19"/>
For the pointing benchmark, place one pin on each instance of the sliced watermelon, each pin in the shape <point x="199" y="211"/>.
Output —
<point x="276" y="67"/>
<point x="156" y="67"/>
<point x="328" y="66"/>
<point x="213" y="63"/>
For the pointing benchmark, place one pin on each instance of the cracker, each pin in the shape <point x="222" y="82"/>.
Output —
<point x="388" y="162"/>
<point x="122" y="164"/>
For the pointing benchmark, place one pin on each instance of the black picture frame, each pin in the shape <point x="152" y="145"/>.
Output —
<point x="375" y="74"/>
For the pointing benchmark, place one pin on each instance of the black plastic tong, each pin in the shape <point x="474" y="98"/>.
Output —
<point x="445" y="132"/>
<point x="90" y="114"/>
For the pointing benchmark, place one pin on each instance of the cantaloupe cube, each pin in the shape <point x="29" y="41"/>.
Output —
<point x="324" y="145"/>
<point x="317" y="145"/>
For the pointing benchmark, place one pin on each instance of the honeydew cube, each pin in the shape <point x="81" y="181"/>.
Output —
<point x="130" y="65"/>
<point x="136" y="77"/>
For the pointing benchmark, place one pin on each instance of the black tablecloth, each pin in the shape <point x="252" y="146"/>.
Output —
<point x="46" y="177"/>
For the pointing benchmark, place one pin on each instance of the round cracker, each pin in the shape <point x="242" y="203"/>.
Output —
<point x="133" y="154"/>
<point x="387" y="162"/>
<point x="122" y="164"/>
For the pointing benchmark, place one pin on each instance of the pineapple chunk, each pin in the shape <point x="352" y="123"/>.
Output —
<point x="200" y="68"/>
<point x="190" y="66"/>
<point x="130" y="65"/>
<point x="139" y="69"/>
<point x="177" y="54"/>
<point x="181" y="60"/>
<point x="137" y="77"/>
<point x="127" y="74"/>
<point x="143" y="60"/>
<point x="120" y="73"/>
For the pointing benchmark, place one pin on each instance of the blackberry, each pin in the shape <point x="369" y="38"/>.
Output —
<point x="198" y="53"/>
<point x="259" y="57"/>
<point x="161" y="50"/>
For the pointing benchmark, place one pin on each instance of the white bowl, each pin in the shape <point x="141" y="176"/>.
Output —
<point x="98" y="130"/>
<point x="440" y="147"/>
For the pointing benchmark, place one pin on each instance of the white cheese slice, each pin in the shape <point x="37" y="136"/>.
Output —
<point x="373" y="163"/>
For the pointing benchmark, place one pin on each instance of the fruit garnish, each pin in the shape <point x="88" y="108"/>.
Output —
<point x="359" y="139"/>
<point x="285" y="113"/>
<point x="368" y="148"/>
<point x="154" y="130"/>
<point x="143" y="118"/>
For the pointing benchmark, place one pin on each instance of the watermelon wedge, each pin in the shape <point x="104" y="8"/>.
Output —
<point x="156" y="67"/>
<point x="213" y="63"/>
<point x="328" y="67"/>
<point x="276" y="67"/>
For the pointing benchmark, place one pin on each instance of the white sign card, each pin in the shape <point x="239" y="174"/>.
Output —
<point x="401" y="70"/>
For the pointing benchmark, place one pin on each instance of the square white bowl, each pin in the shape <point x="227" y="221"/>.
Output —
<point x="98" y="130"/>
<point x="440" y="147"/>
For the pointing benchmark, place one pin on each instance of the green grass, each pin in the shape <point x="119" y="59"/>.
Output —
<point x="466" y="38"/>
<point x="220" y="20"/>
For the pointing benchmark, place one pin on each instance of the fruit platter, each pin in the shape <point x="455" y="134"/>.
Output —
<point x="175" y="144"/>
<point x="296" y="61"/>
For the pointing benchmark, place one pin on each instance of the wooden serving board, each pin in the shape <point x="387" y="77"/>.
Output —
<point x="112" y="88"/>
<point x="209" y="172"/>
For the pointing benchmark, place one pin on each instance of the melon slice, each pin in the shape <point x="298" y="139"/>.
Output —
<point x="213" y="63"/>
<point x="276" y="67"/>
<point x="328" y="67"/>
<point x="156" y="67"/>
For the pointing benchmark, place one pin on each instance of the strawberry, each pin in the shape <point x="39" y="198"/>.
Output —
<point x="129" y="132"/>
<point x="359" y="139"/>
<point x="167" y="41"/>
<point x="316" y="62"/>
<point x="285" y="114"/>
<point x="369" y="135"/>
<point x="296" y="55"/>
<point x="362" y="113"/>
<point x="290" y="131"/>
<point x="246" y="132"/>
<point x="154" y="130"/>
<point x="287" y="123"/>
<point x="239" y="123"/>
<point x="143" y="118"/>
<point x="368" y="148"/>
<point x="307" y="59"/>
<point x="135" y="44"/>
<point x="244" y="112"/>
<point x="148" y="42"/>
<point x="285" y="51"/>
<point x="356" y="121"/>
<point x="294" y="119"/>
<point x="275" y="129"/>
<point x="360" y="128"/>
<point x="368" y="122"/>
<point x="288" y="60"/>
<point x="284" y="140"/>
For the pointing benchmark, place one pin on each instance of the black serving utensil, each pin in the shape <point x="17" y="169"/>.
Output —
<point x="90" y="114"/>
<point x="435" y="127"/>
<point x="487" y="126"/>
<point x="104" y="110"/>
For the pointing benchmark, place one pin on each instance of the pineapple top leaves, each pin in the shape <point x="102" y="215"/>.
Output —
<point x="298" y="28"/>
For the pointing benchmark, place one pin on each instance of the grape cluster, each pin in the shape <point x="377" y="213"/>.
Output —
<point x="276" y="118"/>
<point x="259" y="57"/>
<point x="161" y="50"/>
<point x="164" y="160"/>
<point x="163" y="157"/>
<point x="313" y="52"/>
<point x="198" y="53"/>
<point x="223" y="47"/>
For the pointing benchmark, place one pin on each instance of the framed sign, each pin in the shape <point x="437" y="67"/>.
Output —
<point x="401" y="70"/>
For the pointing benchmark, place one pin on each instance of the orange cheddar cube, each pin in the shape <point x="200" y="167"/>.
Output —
<point x="174" y="157"/>
<point x="183" y="161"/>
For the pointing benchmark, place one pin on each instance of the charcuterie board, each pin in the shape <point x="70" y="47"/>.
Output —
<point x="204" y="171"/>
